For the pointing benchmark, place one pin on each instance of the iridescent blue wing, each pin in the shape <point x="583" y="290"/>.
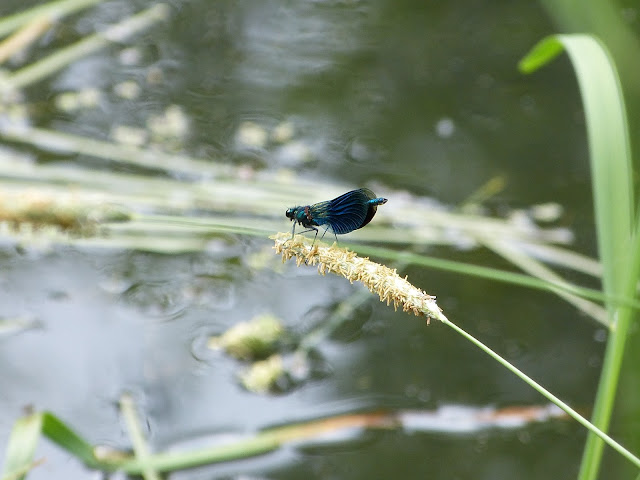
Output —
<point x="345" y="213"/>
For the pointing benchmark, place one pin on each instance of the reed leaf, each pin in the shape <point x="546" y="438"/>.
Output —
<point x="611" y="170"/>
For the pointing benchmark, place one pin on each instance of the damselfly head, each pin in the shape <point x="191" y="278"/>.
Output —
<point x="291" y="213"/>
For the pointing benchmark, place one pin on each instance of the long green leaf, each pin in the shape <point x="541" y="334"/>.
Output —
<point x="611" y="169"/>
<point x="58" y="432"/>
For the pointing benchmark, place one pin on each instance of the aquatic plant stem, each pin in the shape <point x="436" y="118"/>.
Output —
<point x="24" y="37"/>
<point x="64" y="57"/>
<point x="56" y="9"/>
<point x="612" y="365"/>
<point x="538" y="270"/>
<point x="614" y="198"/>
<point x="543" y="391"/>
<point x="138" y="441"/>
<point x="52" y="140"/>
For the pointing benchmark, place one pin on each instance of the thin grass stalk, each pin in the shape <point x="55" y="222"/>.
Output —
<point x="24" y="37"/>
<point x="62" y="142"/>
<point x="140" y="447"/>
<point x="538" y="270"/>
<point x="64" y="57"/>
<point x="52" y="10"/>
<point x="546" y="393"/>
<point x="498" y="275"/>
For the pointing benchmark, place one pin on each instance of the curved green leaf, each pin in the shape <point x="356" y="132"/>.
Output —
<point x="611" y="170"/>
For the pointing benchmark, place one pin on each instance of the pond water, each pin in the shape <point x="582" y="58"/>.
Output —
<point x="422" y="97"/>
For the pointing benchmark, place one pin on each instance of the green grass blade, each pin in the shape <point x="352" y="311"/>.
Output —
<point x="611" y="169"/>
<point x="65" y="56"/>
<point x="57" y="9"/>
<point x="140" y="447"/>
<point x="58" y="432"/>
<point x="24" y="439"/>
<point x="593" y="430"/>
<point x="558" y="285"/>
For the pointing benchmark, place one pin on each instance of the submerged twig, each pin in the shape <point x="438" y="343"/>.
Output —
<point x="378" y="278"/>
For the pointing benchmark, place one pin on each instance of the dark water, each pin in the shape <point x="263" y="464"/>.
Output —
<point x="417" y="96"/>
